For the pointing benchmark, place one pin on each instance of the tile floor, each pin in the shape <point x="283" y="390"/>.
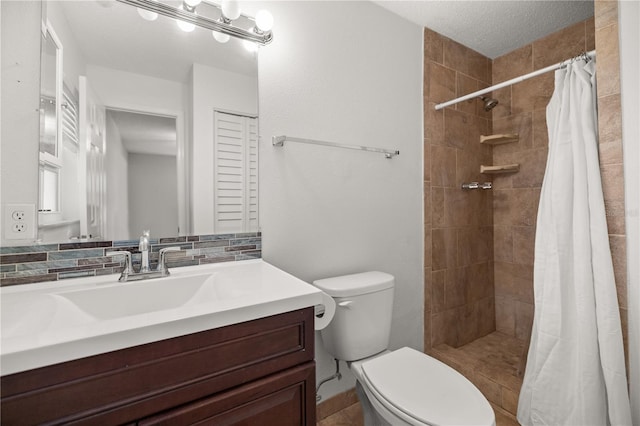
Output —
<point x="492" y="363"/>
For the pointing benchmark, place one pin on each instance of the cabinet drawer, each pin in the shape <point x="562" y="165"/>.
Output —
<point x="132" y="383"/>
<point x="278" y="400"/>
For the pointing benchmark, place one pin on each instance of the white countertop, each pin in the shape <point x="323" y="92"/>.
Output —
<point x="36" y="333"/>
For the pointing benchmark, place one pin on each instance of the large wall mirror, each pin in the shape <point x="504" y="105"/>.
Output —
<point x="142" y="126"/>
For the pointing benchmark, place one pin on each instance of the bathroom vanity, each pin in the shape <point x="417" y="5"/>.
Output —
<point x="239" y="357"/>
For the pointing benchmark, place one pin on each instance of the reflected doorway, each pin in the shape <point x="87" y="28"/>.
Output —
<point x="142" y="170"/>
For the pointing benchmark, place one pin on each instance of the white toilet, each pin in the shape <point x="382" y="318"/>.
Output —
<point x="401" y="387"/>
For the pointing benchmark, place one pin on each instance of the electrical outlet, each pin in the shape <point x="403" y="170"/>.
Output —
<point x="17" y="215"/>
<point x="19" y="221"/>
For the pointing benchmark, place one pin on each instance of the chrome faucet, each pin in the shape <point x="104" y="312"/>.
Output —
<point x="144" y="250"/>
<point x="129" y="274"/>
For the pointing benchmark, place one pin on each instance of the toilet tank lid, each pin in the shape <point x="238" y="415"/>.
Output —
<point x="355" y="284"/>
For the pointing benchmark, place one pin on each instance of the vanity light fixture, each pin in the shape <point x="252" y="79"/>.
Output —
<point x="185" y="26"/>
<point x="222" y="28"/>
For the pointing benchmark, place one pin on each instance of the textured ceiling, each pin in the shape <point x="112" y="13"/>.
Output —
<point x="492" y="28"/>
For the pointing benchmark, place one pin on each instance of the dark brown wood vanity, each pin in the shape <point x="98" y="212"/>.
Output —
<point x="260" y="372"/>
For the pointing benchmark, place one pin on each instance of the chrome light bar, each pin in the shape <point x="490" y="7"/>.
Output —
<point x="201" y="21"/>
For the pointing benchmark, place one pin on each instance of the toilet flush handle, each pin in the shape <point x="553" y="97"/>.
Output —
<point x="346" y="304"/>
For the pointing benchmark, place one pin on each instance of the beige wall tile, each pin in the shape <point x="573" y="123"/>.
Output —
<point x="608" y="71"/>
<point x="479" y="282"/>
<point x="441" y="83"/>
<point x="503" y="206"/>
<point x="614" y="209"/>
<point x="467" y="61"/>
<point x="486" y="315"/>
<point x="532" y="166"/>
<point x="437" y="291"/>
<point x="465" y="85"/>
<point x="428" y="248"/>
<point x="433" y="46"/>
<point x="561" y="45"/>
<point x="433" y="124"/>
<point x="463" y="130"/>
<point x="540" y="130"/>
<point x="468" y="324"/>
<point x="439" y="218"/>
<point x="454" y="289"/>
<point x="525" y="206"/>
<point x="532" y="94"/>
<point x="503" y="243"/>
<point x="427" y="203"/>
<point x="520" y="124"/>
<point x="503" y="96"/>
<point x="524" y="320"/>
<point x="613" y="182"/>
<point x="505" y="316"/>
<point x="443" y="166"/>
<point x="443" y="328"/>
<point x="619" y="258"/>
<point x="590" y="31"/>
<point x="610" y="153"/>
<point x="428" y="290"/>
<point x="605" y="13"/>
<point x="609" y="119"/>
<point x="428" y="348"/>
<point x="444" y="248"/>
<point x="513" y="64"/>
<point x="523" y="244"/>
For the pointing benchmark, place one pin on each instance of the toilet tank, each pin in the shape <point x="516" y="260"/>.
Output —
<point x="362" y="321"/>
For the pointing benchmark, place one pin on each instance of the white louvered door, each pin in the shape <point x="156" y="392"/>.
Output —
<point x="236" y="173"/>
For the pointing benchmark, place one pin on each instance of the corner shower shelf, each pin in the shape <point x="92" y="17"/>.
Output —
<point x="506" y="168"/>
<point x="499" y="139"/>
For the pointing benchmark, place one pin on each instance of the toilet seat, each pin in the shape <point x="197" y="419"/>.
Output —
<point x="423" y="391"/>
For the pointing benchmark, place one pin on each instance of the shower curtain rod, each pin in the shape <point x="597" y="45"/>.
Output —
<point x="554" y="67"/>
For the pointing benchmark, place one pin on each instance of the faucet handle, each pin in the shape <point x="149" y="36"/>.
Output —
<point x="128" y="267"/>
<point x="162" y="265"/>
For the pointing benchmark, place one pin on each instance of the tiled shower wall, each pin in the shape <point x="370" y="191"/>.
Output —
<point x="51" y="262"/>
<point x="522" y="110"/>
<point x="459" y="293"/>
<point x="461" y="226"/>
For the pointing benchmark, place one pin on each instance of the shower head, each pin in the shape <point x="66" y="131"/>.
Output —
<point x="489" y="103"/>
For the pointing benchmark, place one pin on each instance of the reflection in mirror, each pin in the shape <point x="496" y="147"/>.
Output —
<point x="120" y="70"/>
<point x="49" y="76"/>
<point x="50" y="159"/>
<point x="142" y="149"/>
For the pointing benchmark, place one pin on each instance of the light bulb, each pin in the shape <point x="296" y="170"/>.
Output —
<point x="250" y="46"/>
<point x="230" y="9"/>
<point x="187" y="27"/>
<point x="192" y="3"/>
<point x="264" y="20"/>
<point x="220" y="38"/>
<point x="147" y="15"/>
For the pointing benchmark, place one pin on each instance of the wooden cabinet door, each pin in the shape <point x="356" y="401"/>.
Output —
<point x="283" y="399"/>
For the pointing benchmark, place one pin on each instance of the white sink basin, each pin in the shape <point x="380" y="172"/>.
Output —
<point x="52" y="322"/>
<point x="140" y="297"/>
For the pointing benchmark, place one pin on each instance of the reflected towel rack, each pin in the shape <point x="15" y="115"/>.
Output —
<point x="280" y="140"/>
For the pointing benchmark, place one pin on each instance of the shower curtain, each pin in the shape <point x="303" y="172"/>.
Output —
<point x="575" y="373"/>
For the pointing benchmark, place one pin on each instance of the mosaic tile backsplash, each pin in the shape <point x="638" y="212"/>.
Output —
<point x="52" y="262"/>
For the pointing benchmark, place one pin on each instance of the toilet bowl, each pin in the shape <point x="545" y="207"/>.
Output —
<point x="400" y="387"/>
<point x="407" y="387"/>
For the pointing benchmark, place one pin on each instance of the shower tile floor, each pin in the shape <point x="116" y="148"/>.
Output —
<point x="492" y="363"/>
